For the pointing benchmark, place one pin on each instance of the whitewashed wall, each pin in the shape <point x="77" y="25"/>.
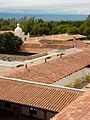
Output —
<point x="72" y="77"/>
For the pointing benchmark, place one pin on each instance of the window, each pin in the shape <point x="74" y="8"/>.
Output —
<point x="32" y="111"/>
<point x="7" y="105"/>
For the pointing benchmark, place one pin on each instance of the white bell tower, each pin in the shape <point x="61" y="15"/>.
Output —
<point x="18" y="31"/>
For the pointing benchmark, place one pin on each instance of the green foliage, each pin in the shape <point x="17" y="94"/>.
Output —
<point x="87" y="77"/>
<point x="72" y="30"/>
<point x="38" y="27"/>
<point x="9" y="43"/>
<point x="85" y="27"/>
<point x="78" y="81"/>
<point x="70" y="85"/>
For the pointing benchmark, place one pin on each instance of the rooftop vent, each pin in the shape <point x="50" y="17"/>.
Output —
<point x="66" y="34"/>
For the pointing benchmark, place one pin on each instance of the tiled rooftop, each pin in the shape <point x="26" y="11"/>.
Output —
<point x="64" y="37"/>
<point x="53" y="70"/>
<point x="43" y="43"/>
<point x="39" y="96"/>
<point x="62" y="44"/>
<point x="34" y="50"/>
<point x="78" y="110"/>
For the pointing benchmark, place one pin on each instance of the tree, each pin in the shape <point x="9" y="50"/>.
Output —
<point x="86" y="31"/>
<point x="85" y="27"/>
<point x="38" y="27"/>
<point x="9" y="43"/>
<point x="72" y="30"/>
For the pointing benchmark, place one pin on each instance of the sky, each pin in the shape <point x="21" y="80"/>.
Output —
<point x="47" y="6"/>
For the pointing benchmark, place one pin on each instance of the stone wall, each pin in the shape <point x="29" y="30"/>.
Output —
<point x="7" y="57"/>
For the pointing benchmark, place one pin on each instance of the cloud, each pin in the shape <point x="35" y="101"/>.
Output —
<point x="50" y="6"/>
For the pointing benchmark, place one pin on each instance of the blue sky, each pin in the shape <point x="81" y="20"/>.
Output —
<point x="47" y="6"/>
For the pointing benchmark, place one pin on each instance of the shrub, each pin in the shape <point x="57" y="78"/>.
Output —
<point x="87" y="77"/>
<point x="69" y="85"/>
<point x="78" y="81"/>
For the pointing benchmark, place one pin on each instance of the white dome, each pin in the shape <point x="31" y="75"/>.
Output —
<point x="18" y="29"/>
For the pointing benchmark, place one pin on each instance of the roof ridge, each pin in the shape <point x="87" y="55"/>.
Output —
<point x="42" y="84"/>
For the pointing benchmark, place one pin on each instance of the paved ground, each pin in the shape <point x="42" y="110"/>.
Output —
<point x="72" y="51"/>
<point x="7" y="65"/>
<point x="3" y="69"/>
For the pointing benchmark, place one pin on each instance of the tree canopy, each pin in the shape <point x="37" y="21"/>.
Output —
<point x="85" y="27"/>
<point x="38" y="27"/>
<point x="9" y="43"/>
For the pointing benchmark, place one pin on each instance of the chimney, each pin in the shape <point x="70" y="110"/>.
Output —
<point x="60" y="56"/>
<point x="45" y="60"/>
<point x="44" y="37"/>
<point x="74" y="38"/>
<point x="36" y="38"/>
<point x="52" y="36"/>
<point x="26" y="66"/>
<point x="59" y="35"/>
<point x="66" y="34"/>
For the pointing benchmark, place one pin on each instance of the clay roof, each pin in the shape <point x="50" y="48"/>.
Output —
<point x="62" y="44"/>
<point x="34" y="50"/>
<point x="64" y="37"/>
<point x="78" y="110"/>
<point x="38" y="96"/>
<point x="43" y="44"/>
<point x="78" y="36"/>
<point x="53" y="70"/>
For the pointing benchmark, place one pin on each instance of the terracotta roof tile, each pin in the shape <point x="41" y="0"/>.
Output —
<point x="64" y="37"/>
<point x="36" y="44"/>
<point x="77" y="110"/>
<point x="52" y="70"/>
<point x="39" y="96"/>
